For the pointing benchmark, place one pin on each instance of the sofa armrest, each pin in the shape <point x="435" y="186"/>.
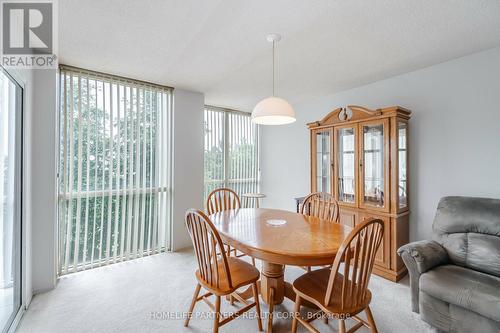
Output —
<point x="419" y="257"/>
<point x="426" y="254"/>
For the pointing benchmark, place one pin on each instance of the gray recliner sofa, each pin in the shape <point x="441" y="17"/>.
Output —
<point x="455" y="278"/>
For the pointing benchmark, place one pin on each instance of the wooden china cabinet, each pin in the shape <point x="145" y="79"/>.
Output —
<point x="361" y="157"/>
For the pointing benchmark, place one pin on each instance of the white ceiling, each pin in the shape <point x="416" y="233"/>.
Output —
<point x="218" y="46"/>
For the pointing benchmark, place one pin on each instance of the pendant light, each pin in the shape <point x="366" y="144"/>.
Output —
<point x="273" y="110"/>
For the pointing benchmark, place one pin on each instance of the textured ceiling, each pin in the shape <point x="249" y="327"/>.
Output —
<point x="218" y="47"/>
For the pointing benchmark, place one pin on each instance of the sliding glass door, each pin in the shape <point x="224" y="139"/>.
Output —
<point x="10" y="198"/>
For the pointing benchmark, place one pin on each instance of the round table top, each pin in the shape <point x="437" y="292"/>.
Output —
<point x="281" y="237"/>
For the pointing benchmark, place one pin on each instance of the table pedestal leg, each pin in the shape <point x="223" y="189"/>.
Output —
<point x="273" y="289"/>
<point x="271" y="310"/>
<point x="272" y="277"/>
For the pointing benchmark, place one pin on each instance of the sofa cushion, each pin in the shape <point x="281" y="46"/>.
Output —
<point x="472" y="290"/>
<point x="453" y="318"/>
<point x="469" y="229"/>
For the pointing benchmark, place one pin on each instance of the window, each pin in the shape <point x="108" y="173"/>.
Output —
<point x="231" y="151"/>
<point x="11" y="97"/>
<point x="114" y="171"/>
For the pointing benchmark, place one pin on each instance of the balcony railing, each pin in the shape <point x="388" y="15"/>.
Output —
<point x="108" y="226"/>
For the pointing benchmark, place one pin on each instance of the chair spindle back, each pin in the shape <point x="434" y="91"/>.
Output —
<point x="222" y="199"/>
<point x="208" y="247"/>
<point x="322" y="205"/>
<point x="357" y="253"/>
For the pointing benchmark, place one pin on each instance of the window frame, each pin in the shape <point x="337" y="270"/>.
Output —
<point x="20" y="194"/>
<point x="226" y="180"/>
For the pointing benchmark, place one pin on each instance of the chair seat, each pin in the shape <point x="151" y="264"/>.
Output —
<point x="312" y="287"/>
<point x="469" y="289"/>
<point x="242" y="274"/>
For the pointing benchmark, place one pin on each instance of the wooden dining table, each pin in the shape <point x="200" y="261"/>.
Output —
<point x="279" y="238"/>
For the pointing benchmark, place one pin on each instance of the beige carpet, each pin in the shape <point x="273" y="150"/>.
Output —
<point x="150" y="294"/>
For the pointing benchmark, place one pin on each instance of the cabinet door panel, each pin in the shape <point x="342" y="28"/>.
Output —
<point x="348" y="217"/>
<point x="321" y="160"/>
<point x="346" y="161"/>
<point x="374" y="165"/>
<point x="383" y="256"/>
<point x="402" y="160"/>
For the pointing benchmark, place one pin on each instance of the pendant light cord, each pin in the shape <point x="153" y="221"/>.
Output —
<point x="274" y="43"/>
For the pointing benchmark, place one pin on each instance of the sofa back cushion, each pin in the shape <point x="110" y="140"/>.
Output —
<point x="469" y="229"/>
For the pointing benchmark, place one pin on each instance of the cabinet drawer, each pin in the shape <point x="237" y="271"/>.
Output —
<point x="383" y="257"/>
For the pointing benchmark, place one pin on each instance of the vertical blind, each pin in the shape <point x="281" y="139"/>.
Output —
<point x="114" y="171"/>
<point x="231" y="151"/>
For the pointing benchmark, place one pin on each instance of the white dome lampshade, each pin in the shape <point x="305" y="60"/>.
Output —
<point x="273" y="111"/>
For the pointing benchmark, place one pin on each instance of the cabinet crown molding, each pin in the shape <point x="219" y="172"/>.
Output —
<point x="353" y="113"/>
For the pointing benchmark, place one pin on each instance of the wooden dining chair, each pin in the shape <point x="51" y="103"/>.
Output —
<point x="322" y="205"/>
<point x="218" y="274"/>
<point x="342" y="292"/>
<point x="224" y="199"/>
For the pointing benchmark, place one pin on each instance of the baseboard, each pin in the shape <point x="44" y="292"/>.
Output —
<point x="43" y="290"/>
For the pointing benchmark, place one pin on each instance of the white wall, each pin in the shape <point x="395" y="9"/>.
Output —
<point x="454" y="135"/>
<point x="43" y="179"/>
<point x="188" y="161"/>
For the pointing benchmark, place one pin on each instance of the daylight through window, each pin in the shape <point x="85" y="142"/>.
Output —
<point x="114" y="169"/>
<point x="231" y="151"/>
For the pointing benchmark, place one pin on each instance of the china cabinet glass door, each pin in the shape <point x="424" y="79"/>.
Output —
<point x="373" y="166"/>
<point x="402" y="132"/>
<point x="346" y="162"/>
<point x="322" y="158"/>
